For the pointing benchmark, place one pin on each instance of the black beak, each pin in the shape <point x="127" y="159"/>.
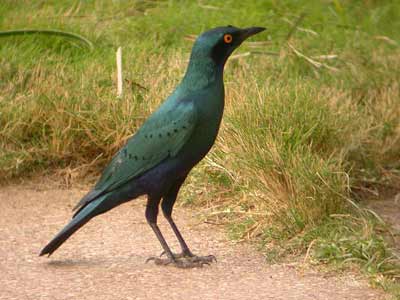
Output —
<point x="248" y="32"/>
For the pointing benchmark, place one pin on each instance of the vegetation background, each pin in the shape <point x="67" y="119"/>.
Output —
<point x="311" y="129"/>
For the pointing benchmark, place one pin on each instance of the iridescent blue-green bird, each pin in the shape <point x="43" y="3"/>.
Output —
<point x="157" y="159"/>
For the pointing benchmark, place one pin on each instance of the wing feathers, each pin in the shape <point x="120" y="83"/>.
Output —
<point x="163" y="135"/>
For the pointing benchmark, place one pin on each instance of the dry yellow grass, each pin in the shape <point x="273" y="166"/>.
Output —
<point x="311" y="122"/>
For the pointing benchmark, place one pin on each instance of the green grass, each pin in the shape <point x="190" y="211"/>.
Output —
<point x="311" y="122"/>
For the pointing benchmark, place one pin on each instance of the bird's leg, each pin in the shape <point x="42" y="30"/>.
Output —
<point x="185" y="249"/>
<point x="171" y="257"/>
<point x="167" y="206"/>
<point x="151" y="217"/>
<point x="186" y="253"/>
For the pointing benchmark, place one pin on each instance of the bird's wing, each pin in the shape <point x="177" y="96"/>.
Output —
<point x="161" y="136"/>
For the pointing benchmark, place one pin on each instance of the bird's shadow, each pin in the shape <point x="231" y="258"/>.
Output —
<point x="75" y="263"/>
<point x="94" y="262"/>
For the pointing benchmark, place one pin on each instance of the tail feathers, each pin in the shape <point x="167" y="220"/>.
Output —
<point x="92" y="195"/>
<point x="80" y="219"/>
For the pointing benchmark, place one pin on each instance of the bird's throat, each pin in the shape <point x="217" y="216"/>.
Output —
<point x="202" y="73"/>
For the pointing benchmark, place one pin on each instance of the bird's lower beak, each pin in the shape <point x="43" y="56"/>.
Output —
<point x="248" y="32"/>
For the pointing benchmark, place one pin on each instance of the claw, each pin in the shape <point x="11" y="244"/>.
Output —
<point x="150" y="259"/>
<point x="160" y="261"/>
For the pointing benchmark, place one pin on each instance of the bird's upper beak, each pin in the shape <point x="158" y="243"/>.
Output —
<point x="248" y="32"/>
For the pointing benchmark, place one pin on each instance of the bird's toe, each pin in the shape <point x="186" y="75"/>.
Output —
<point x="195" y="261"/>
<point x="160" y="261"/>
<point x="206" y="259"/>
<point x="189" y="264"/>
<point x="186" y="254"/>
<point x="183" y="261"/>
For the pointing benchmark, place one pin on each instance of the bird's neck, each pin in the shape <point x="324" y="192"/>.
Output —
<point x="201" y="73"/>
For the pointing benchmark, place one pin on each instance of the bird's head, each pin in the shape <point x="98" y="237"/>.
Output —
<point x="219" y="43"/>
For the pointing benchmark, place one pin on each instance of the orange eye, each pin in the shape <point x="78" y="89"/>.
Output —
<point x="228" y="38"/>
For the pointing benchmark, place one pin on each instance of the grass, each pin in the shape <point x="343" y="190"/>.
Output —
<point x="311" y="125"/>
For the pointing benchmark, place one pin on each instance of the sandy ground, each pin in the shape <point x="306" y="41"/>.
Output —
<point x="106" y="258"/>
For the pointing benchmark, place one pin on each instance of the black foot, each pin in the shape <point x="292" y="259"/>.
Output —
<point x="208" y="259"/>
<point x="190" y="256"/>
<point x="183" y="261"/>
<point x="185" y="254"/>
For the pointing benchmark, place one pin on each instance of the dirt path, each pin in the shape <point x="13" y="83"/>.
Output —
<point x="106" y="259"/>
<point x="388" y="209"/>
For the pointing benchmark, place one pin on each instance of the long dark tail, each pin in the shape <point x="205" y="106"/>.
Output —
<point x="91" y="210"/>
